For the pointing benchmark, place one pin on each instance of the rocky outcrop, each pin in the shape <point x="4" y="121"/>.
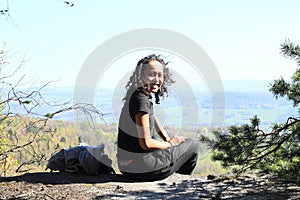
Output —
<point x="74" y="186"/>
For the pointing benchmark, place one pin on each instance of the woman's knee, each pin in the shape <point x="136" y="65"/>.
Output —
<point x="193" y="144"/>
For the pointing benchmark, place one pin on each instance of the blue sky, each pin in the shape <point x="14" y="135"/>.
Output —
<point x="241" y="37"/>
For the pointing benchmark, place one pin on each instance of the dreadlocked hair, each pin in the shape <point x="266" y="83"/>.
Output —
<point x="138" y="79"/>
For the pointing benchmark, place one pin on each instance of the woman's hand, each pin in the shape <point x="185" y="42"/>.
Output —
<point x="175" y="140"/>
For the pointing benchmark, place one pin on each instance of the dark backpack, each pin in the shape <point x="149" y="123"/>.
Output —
<point x="84" y="159"/>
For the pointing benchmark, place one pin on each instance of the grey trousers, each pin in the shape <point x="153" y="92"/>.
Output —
<point x="160" y="164"/>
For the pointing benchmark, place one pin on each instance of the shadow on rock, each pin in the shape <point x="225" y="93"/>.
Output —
<point x="65" y="178"/>
<point x="246" y="187"/>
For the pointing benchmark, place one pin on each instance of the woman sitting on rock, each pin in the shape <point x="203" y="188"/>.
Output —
<point x="141" y="156"/>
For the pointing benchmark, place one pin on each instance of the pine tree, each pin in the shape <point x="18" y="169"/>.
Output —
<point x="277" y="151"/>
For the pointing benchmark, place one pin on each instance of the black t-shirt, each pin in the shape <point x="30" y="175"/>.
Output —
<point x="128" y="141"/>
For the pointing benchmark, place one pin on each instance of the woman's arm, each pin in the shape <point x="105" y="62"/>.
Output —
<point x="175" y="140"/>
<point x="143" y="129"/>
<point x="161" y="131"/>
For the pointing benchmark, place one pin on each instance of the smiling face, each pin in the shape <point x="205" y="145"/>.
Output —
<point x="154" y="74"/>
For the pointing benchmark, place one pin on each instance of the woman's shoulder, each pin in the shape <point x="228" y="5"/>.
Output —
<point x="138" y="94"/>
<point x="139" y="98"/>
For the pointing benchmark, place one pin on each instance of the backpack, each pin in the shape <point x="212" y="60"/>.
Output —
<point x="90" y="160"/>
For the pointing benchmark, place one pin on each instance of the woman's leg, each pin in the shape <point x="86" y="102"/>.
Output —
<point x="160" y="164"/>
<point x="185" y="156"/>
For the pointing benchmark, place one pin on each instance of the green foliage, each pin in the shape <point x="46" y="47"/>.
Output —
<point x="27" y="136"/>
<point x="7" y="160"/>
<point x="63" y="140"/>
<point x="49" y="115"/>
<point x="248" y="147"/>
